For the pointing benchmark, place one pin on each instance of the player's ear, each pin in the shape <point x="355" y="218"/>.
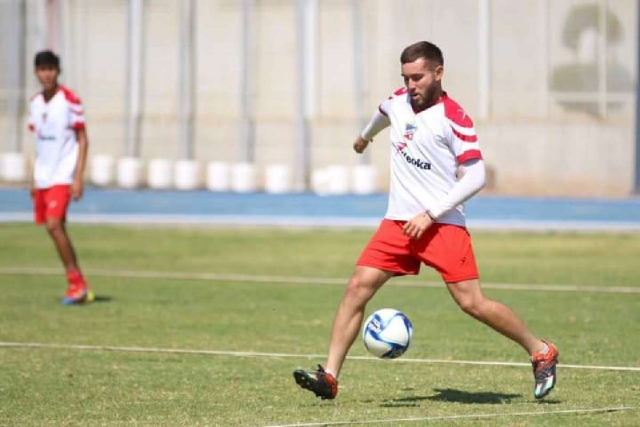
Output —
<point x="439" y="72"/>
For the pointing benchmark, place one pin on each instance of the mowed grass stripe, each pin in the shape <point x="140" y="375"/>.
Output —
<point x="55" y="346"/>
<point x="249" y="278"/>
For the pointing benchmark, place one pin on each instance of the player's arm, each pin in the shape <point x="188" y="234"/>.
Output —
<point x="31" y="158"/>
<point x="77" y="187"/>
<point x="472" y="180"/>
<point x="378" y="122"/>
<point x="32" y="180"/>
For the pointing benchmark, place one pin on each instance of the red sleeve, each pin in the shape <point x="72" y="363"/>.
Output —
<point x="75" y="108"/>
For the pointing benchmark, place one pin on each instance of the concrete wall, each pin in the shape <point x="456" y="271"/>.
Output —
<point x="535" y="141"/>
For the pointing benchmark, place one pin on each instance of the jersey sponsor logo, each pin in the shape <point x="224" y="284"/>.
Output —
<point x="419" y="163"/>
<point x="400" y="146"/>
<point x="44" y="137"/>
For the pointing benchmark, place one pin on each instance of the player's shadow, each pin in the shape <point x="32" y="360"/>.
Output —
<point x="548" y="401"/>
<point x="482" y="397"/>
<point x="458" y="396"/>
<point x="97" y="300"/>
<point x="102" y="298"/>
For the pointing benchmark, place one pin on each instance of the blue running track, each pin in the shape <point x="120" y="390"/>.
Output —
<point x="203" y="207"/>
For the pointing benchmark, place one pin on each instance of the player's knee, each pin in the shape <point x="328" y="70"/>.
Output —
<point x="54" y="227"/>
<point x="471" y="304"/>
<point x="358" y="290"/>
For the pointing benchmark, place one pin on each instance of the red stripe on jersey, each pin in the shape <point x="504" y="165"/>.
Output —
<point x="384" y="113"/>
<point x="32" y="128"/>
<point x="465" y="138"/>
<point x="454" y="112"/>
<point x="78" y="125"/>
<point x="400" y="91"/>
<point x="469" y="155"/>
<point x="70" y="96"/>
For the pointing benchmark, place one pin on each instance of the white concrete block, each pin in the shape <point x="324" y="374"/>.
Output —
<point x="243" y="178"/>
<point x="102" y="169"/>
<point x="277" y="179"/>
<point x="129" y="172"/>
<point x="160" y="174"/>
<point x="364" y="179"/>
<point x="338" y="179"/>
<point x="14" y="167"/>
<point x="187" y="175"/>
<point x="218" y="176"/>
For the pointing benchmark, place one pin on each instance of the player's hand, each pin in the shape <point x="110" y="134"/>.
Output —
<point x="360" y="145"/>
<point x="77" y="189"/>
<point x="416" y="226"/>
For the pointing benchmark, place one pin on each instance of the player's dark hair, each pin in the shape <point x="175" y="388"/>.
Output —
<point x="46" y="57"/>
<point x="426" y="50"/>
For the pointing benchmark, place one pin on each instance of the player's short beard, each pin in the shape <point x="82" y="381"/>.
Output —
<point x="428" y="99"/>
<point x="430" y="95"/>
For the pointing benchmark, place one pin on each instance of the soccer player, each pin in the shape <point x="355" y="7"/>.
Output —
<point x="436" y="165"/>
<point x="56" y="117"/>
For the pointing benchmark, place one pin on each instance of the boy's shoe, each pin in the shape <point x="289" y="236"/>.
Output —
<point x="321" y="383"/>
<point x="544" y="371"/>
<point x="76" y="294"/>
<point x="78" y="291"/>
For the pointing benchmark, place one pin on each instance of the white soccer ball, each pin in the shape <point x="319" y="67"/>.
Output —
<point x="387" y="333"/>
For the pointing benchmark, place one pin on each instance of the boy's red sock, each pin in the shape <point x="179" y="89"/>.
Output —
<point x="75" y="277"/>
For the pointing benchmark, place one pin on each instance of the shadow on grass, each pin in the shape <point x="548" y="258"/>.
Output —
<point x="96" y="300"/>
<point x="452" y="395"/>
<point x="548" y="401"/>
<point x="102" y="298"/>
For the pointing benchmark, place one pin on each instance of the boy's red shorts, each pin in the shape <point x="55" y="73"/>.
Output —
<point x="445" y="247"/>
<point x="51" y="202"/>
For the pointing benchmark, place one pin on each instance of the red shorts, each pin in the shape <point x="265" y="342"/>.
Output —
<point x="445" y="247"/>
<point x="51" y="202"/>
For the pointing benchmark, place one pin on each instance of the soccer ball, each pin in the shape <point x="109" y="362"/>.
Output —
<point x="387" y="333"/>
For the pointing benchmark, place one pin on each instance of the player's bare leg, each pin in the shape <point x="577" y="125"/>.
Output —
<point x="470" y="298"/>
<point x="77" y="290"/>
<point x="362" y="285"/>
<point x="544" y="356"/>
<point x="58" y="233"/>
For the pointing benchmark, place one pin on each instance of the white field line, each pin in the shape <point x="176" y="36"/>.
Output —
<point x="461" y="417"/>
<point x="248" y="278"/>
<point x="568" y="225"/>
<point x="54" y="346"/>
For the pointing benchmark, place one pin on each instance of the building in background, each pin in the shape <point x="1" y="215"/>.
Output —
<point x="550" y="84"/>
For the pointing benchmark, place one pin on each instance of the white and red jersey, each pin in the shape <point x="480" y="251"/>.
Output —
<point x="426" y="149"/>
<point x="54" y="123"/>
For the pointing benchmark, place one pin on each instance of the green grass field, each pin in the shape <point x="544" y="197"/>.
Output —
<point x="270" y="296"/>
